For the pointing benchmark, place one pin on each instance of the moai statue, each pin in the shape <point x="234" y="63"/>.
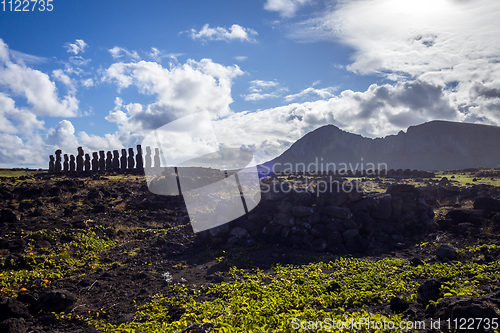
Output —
<point x="148" y="157"/>
<point x="138" y="158"/>
<point x="58" y="166"/>
<point x="116" y="160"/>
<point x="131" y="162"/>
<point x="66" y="164"/>
<point x="72" y="163"/>
<point x="95" y="162"/>
<point x="102" y="161"/>
<point x="123" y="159"/>
<point x="87" y="163"/>
<point x="52" y="165"/>
<point x="79" y="160"/>
<point x="109" y="161"/>
<point x="157" y="158"/>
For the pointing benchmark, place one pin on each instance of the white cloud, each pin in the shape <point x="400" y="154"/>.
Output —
<point x="241" y="58"/>
<point x="321" y="93"/>
<point x="62" y="136"/>
<point x="235" y="32"/>
<point x="119" y="52"/>
<point x="78" y="46"/>
<point x="377" y="112"/>
<point x="286" y="8"/>
<point x="36" y="87"/>
<point x="59" y="75"/>
<point x="179" y="90"/>
<point x="451" y="44"/>
<point x="79" y="61"/>
<point x="88" y="83"/>
<point x="260" y="89"/>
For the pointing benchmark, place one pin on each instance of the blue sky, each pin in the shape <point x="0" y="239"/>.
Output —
<point x="103" y="74"/>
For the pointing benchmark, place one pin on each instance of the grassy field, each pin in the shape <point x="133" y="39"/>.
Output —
<point x="19" y="172"/>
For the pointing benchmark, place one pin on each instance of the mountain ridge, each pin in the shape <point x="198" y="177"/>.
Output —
<point x="435" y="145"/>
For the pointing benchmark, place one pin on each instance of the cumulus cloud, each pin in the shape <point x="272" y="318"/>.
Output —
<point x="78" y="46"/>
<point x="381" y="110"/>
<point x="62" y="136"/>
<point x="235" y="32"/>
<point x="179" y="90"/>
<point x="451" y="44"/>
<point x="36" y="87"/>
<point x="120" y="52"/>
<point x="260" y="89"/>
<point x="310" y="92"/>
<point x="286" y="8"/>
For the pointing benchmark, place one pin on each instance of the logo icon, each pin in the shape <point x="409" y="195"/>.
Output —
<point x="219" y="184"/>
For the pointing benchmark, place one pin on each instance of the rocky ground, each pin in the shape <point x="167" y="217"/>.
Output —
<point x="99" y="247"/>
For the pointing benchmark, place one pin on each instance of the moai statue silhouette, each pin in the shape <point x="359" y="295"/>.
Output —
<point x="79" y="160"/>
<point x="138" y="158"/>
<point x="72" y="163"/>
<point x="102" y="161"/>
<point x="52" y="165"/>
<point x="87" y="163"/>
<point x="157" y="158"/>
<point x="116" y="160"/>
<point x="148" y="157"/>
<point x="58" y="166"/>
<point x="95" y="162"/>
<point x="109" y="161"/>
<point x="123" y="159"/>
<point x="131" y="162"/>
<point x="66" y="164"/>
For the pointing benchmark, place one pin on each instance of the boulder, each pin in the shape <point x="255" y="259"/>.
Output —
<point x="8" y="216"/>
<point x="13" y="308"/>
<point x="467" y="308"/>
<point x="384" y="207"/>
<point x="319" y="245"/>
<point x="300" y="211"/>
<point x="446" y="252"/>
<point x="488" y="204"/>
<point x="430" y="290"/>
<point x="338" y="212"/>
<point x="13" y="325"/>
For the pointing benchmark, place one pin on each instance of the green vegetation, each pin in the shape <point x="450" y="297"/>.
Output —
<point x="19" y="172"/>
<point x="256" y="301"/>
<point x="38" y="267"/>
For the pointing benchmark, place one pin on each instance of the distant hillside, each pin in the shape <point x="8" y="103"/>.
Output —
<point x="436" y="145"/>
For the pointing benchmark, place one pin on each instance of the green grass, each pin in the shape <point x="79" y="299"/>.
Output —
<point x="19" y="172"/>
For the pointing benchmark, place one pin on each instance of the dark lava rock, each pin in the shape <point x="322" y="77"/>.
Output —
<point x="488" y="204"/>
<point x="446" y="251"/>
<point x="332" y="287"/>
<point x="416" y="262"/>
<point x="338" y="212"/>
<point x="430" y="290"/>
<point x="319" y="245"/>
<point x="99" y="208"/>
<point x="397" y="188"/>
<point x="95" y="194"/>
<point x="55" y="301"/>
<point x="13" y="309"/>
<point x="466" y="310"/>
<point x="399" y="305"/>
<point x="13" y="325"/>
<point x="8" y="216"/>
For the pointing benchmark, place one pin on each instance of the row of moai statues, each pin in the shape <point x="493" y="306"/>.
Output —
<point x="100" y="162"/>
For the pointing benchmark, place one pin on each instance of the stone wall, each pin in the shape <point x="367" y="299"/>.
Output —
<point x="337" y="222"/>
